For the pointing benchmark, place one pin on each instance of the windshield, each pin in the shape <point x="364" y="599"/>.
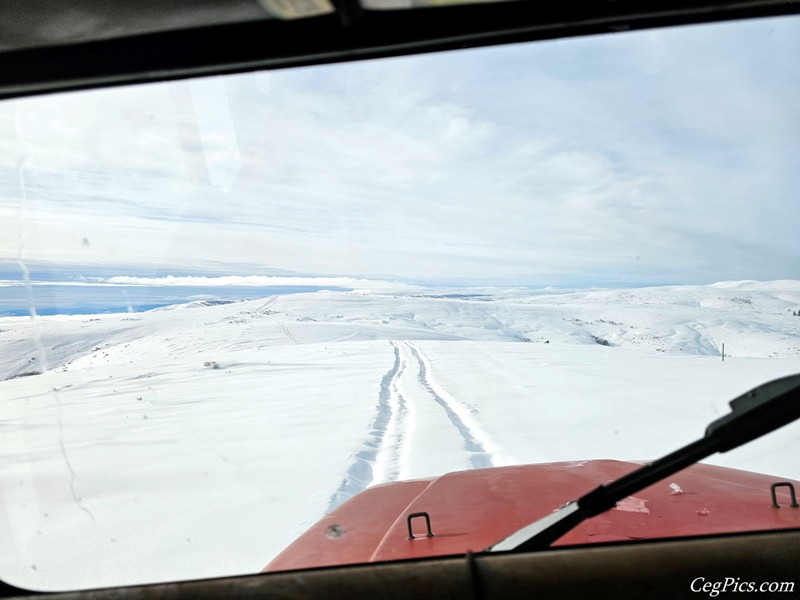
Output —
<point x="229" y="305"/>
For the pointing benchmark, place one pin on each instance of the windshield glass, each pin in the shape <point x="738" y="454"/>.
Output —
<point x="228" y="305"/>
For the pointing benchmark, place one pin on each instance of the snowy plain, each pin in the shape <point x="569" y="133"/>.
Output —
<point x="200" y="439"/>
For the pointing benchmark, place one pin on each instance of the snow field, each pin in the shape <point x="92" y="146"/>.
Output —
<point x="198" y="441"/>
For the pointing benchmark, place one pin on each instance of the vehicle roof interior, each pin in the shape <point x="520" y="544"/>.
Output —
<point x="88" y="43"/>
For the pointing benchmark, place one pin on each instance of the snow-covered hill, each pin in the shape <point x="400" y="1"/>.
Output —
<point x="200" y="439"/>
<point x="753" y="319"/>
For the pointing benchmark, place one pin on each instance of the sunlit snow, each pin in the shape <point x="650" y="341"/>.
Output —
<point x="199" y="440"/>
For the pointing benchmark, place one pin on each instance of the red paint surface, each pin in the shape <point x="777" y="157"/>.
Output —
<point x="471" y="510"/>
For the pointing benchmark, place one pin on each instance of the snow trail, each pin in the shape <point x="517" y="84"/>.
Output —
<point x="386" y="455"/>
<point x="378" y="459"/>
<point x="289" y="334"/>
<point x="266" y="308"/>
<point x="481" y="450"/>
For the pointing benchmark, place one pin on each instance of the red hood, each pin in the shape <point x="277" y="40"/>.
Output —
<point x="471" y="510"/>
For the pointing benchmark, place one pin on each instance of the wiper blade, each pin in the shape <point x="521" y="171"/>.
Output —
<point x="753" y="414"/>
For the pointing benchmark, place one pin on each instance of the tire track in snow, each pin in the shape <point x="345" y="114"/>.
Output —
<point x="480" y="448"/>
<point x="388" y="465"/>
<point x="265" y="308"/>
<point x="378" y="459"/>
<point x="288" y="333"/>
<point x="353" y="333"/>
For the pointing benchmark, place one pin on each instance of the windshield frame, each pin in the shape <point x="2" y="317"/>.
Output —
<point x="100" y="72"/>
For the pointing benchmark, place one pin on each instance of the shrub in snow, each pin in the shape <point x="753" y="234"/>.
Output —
<point x="25" y="374"/>
<point x="601" y="341"/>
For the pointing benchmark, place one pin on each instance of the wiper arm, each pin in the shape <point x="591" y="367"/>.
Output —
<point x="759" y="411"/>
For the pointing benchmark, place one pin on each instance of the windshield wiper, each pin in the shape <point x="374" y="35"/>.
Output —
<point x="759" y="411"/>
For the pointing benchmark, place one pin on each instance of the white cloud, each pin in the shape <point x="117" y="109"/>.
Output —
<point x="654" y="156"/>
<point x="248" y="281"/>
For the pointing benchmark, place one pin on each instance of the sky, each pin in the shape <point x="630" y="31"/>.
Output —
<point x="655" y="157"/>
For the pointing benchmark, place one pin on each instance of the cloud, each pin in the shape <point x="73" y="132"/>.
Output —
<point x="248" y="281"/>
<point x="657" y="156"/>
